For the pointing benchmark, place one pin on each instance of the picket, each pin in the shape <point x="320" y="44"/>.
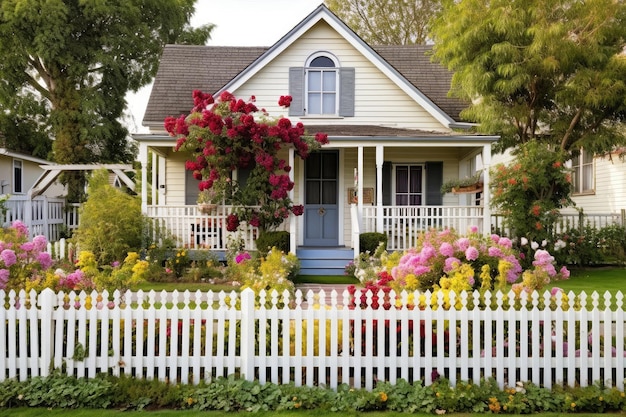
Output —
<point x="317" y="338"/>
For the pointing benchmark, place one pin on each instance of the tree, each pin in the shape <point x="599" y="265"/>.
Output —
<point x="66" y="66"/>
<point x="546" y="70"/>
<point x="387" y="22"/>
<point x="227" y="134"/>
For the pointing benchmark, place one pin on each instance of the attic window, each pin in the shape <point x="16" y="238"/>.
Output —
<point x="322" y="80"/>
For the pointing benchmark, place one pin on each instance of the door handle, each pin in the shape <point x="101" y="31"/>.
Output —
<point x="321" y="211"/>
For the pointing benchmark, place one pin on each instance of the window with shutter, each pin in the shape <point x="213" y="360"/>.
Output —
<point x="322" y="88"/>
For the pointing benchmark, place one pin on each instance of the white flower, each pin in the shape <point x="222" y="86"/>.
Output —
<point x="544" y="243"/>
<point x="524" y="241"/>
<point x="534" y="245"/>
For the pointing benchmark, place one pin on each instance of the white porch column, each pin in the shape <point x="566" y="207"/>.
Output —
<point x="486" y="192"/>
<point x="143" y="160"/>
<point x="293" y="223"/>
<point x="380" y="155"/>
<point x="359" y="191"/>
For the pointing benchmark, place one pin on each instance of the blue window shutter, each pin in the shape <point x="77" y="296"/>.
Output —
<point x="434" y="181"/>
<point x="296" y="91"/>
<point x="346" y="92"/>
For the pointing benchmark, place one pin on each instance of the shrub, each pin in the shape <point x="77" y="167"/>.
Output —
<point x="368" y="242"/>
<point x="22" y="261"/>
<point x="272" y="239"/>
<point x="111" y="223"/>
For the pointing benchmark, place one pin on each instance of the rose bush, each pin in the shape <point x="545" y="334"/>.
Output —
<point x="229" y="133"/>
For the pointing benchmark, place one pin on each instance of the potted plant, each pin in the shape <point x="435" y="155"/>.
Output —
<point x="207" y="201"/>
<point x="473" y="184"/>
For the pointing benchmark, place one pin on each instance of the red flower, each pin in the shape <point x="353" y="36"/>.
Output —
<point x="285" y="101"/>
<point x="321" y="138"/>
<point x="232" y="223"/>
<point x="297" y="210"/>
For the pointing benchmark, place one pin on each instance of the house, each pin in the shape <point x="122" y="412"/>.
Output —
<point x="35" y="197"/>
<point x="395" y="137"/>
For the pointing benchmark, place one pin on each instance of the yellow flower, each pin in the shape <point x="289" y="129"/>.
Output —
<point x="189" y="401"/>
<point x="573" y="405"/>
<point x="383" y="397"/>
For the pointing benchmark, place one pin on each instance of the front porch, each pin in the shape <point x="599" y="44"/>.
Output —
<point x="192" y="229"/>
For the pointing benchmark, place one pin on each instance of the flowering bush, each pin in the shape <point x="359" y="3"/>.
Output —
<point x="22" y="260"/>
<point x="445" y="261"/>
<point x="530" y="191"/>
<point x="229" y="133"/>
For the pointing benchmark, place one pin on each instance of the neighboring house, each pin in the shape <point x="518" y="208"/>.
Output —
<point x="37" y="198"/>
<point x="395" y="137"/>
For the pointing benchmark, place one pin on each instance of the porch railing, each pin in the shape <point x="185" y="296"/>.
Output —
<point x="403" y="224"/>
<point x="193" y="229"/>
<point x="47" y="216"/>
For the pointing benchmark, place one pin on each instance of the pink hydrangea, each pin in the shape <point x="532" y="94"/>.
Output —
<point x="4" y="278"/>
<point x="463" y="243"/>
<point x="8" y="257"/>
<point x="446" y="249"/>
<point x="471" y="253"/>
<point x="450" y="264"/>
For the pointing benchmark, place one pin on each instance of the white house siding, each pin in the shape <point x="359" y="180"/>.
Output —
<point x="610" y="187"/>
<point x="376" y="97"/>
<point x="31" y="171"/>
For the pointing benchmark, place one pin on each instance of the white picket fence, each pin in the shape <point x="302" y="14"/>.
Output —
<point x="189" y="337"/>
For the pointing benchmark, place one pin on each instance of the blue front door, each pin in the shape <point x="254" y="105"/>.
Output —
<point x="321" y="210"/>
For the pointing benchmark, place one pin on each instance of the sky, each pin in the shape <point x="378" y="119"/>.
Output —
<point x="237" y="23"/>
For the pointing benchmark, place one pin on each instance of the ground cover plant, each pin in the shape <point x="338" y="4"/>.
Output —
<point x="231" y="394"/>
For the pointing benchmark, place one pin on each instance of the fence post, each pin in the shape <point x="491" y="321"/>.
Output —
<point x="46" y="302"/>
<point x="248" y="334"/>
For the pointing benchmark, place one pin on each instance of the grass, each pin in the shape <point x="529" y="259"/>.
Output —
<point x="594" y="279"/>
<point x="586" y="279"/>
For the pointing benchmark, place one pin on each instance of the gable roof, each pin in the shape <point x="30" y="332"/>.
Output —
<point x="214" y="69"/>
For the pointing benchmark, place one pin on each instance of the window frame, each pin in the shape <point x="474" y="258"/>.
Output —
<point x="308" y="70"/>
<point x="394" y="184"/>
<point x="18" y="176"/>
<point x="579" y="167"/>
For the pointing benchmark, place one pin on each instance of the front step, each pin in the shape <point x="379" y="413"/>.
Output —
<point x="324" y="261"/>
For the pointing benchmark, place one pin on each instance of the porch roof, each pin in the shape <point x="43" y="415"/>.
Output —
<point x="365" y="134"/>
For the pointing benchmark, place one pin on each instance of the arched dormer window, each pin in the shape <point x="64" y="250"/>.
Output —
<point x="322" y="88"/>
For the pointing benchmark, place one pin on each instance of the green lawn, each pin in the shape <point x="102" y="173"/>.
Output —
<point x="588" y="279"/>
<point x="594" y="279"/>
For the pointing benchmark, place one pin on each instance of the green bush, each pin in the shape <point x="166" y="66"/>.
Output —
<point x="111" y="223"/>
<point x="274" y="239"/>
<point x="369" y="242"/>
<point x="235" y="394"/>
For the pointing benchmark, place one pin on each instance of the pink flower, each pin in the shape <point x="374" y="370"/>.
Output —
<point x="471" y="253"/>
<point x="4" y="278"/>
<point x="463" y="243"/>
<point x="446" y="249"/>
<point x="450" y="264"/>
<point x="44" y="259"/>
<point x="506" y="242"/>
<point x="564" y="272"/>
<point x="494" y="252"/>
<point x="241" y="257"/>
<point x="8" y="257"/>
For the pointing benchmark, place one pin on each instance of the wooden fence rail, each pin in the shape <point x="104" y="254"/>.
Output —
<point x="567" y="339"/>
